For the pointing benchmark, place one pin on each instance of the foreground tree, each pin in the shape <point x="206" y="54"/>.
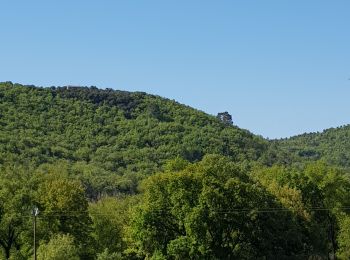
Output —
<point x="327" y="188"/>
<point x="15" y="208"/>
<point x="60" y="247"/>
<point x="64" y="209"/>
<point x="344" y="238"/>
<point x="110" y="221"/>
<point x="212" y="210"/>
<point x="321" y="195"/>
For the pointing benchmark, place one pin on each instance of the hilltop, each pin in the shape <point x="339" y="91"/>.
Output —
<point x="114" y="136"/>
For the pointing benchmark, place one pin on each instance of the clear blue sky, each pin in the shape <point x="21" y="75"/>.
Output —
<point x="279" y="67"/>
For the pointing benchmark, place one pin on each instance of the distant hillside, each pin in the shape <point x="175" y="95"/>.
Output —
<point x="331" y="145"/>
<point x="110" y="131"/>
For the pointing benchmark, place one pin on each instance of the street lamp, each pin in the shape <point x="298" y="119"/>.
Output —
<point x="35" y="213"/>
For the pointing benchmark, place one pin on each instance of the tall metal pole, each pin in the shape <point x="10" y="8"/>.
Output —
<point x="35" y="214"/>
<point x="34" y="237"/>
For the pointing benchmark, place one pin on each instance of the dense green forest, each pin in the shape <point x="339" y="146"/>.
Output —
<point x="331" y="145"/>
<point x="128" y="175"/>
<point x="111" y="138"/>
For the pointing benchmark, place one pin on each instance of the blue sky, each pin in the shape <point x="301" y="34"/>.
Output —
<point x="279" y="67"/>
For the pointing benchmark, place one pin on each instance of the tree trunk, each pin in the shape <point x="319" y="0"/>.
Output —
<point x="7" y="252"/>
<point x="332" y="255"/>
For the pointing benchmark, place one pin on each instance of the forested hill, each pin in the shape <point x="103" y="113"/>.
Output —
<point x="331" y="145"/>
<point x="109" y="131"/>
<point x="122" y="175"/>
<point x="133" y="132"/>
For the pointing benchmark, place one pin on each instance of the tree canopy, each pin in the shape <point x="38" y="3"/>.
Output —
<point x="128" y="175"/>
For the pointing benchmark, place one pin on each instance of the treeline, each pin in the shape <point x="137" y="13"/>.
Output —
<point x="212" y="209"/>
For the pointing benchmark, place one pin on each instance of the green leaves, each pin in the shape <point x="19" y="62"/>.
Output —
<point x="60" y="247"/>
<point x="64" y="209"/>
<point x="16" y="201"/>
<point x="79" y="144"/>
<point x="115" y="131"/>
<point x="317" y="193"/>
<point x="212" y="210"/>
<point x="110" y="218"/>
<point x="331" y="145"/>
<point x="344" y="238"/>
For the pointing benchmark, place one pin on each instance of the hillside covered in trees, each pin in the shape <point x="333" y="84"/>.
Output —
<point x="104" y="131"/>
<point x="128" y="175"/>
<point x="331" y="145"/>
